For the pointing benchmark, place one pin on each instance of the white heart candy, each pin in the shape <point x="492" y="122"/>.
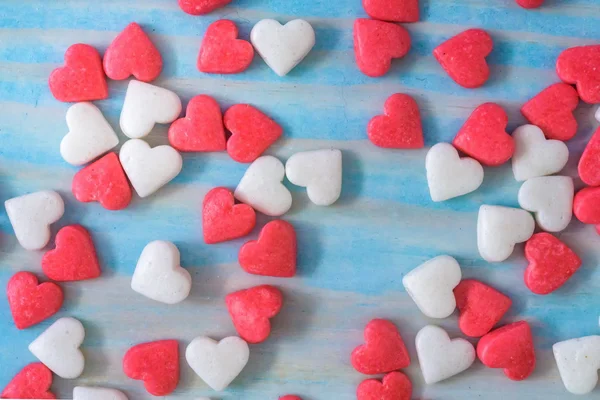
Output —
<point x="431" y="286"/>
<point x="320" y="172"/>
<point x="31" y="216"/>
<point x="217" y="363"/>
<point x="499" y="229"/>
<point x="146" y="105"/>
<point x="90" y="135"/>
<point x="439" y="357"/>
<point x="450" y="176"/>
<point x="551" y="199"/>
<point x="261" y="187"/>
<point x="58" y="348"/>
<point x="578" y="362"/>
<point x="97" y="393"/>
<point x="597" y="115"/>
<point x="534" y="155"/>
<point x="158" y="274"/>
<point x="282" y="47"/>
<point x="149" y="169"/>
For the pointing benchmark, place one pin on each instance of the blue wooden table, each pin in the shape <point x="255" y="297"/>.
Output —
<point x="353" y="255"/>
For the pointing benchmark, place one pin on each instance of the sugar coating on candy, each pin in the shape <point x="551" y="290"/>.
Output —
<point x="201" y="7"/>
<point x="551" y="263"/>
<point x="97" y="393"/>
<point x="578" y="362"/>
<point x="30" y="302"/>
<point x="32" y="382"/>
<point x="530" y="3"/>
<point x="376" y="43"/>
<point x="393" y="386"/>
<point x="383" y="351"/>
<point x="224" y="220"/>
<point x="535" y="155"/>
<point x="74" y="258"/>
<point x="392" y="10"/>
<point x="320" y="172"/>
<point x="201" y="129"/>
<point x="82" y="77"/>
<point x="581" y="66"/>
<point x="551" y="199"/>
<point x="154" y="363"/>
<point x="499" y="229"/>
<point x="463" y="57"/>
<point x="586" y="205"/>
<point x="589" y="163"/>
<point x="221" y="52"/>
<point x="400" y="125"/>
<point x="132" y="53"/>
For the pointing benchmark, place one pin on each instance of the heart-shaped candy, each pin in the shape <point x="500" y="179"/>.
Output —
<point x="589" y="163"/>
<point x="499" y="229"/>
<point x="530" y="3"/>
<point x="201" y="129"/>
<point x="400" y="126"/>
<point x="535" y="155"/>
<point x="32" y="382"/>
<point x="383" y="351"/>
<point x="221" y="52"/>
<point x="224" y="220"/>
<point x="154" y="363"/>
<point x="586" y="205"/>
<point x="392" y="10"/>
<point x="290" y="397"/>
<point x="97" y="393"/>
<point x="74" y="258"/>
<point x="251" y="309"/>
<point x="320" y="172"/>
<point x="201" y="7"/>
<point x="597" y="114"/>
<point x="394" y="386"/>
<point x="581" y="66"/>
<point x="578" y="362"/>
<point x="551" y="199"/>
<point x="31" y="303"/>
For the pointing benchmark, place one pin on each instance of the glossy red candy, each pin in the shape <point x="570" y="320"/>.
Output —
<point x="394" y="386"/>
<point x="224" y="220"/>
<point x="530" y="3"/>
<point x="393" y="10"/>
<point x="201" y="7"/>
<point x="581" y="66"/>
<point x="290" y="397"/>
<point x="586" y="205"/>
<point x="222" y="52"/>
<point x="201" y="129"/>
<point x="383" y="351"/>
<point x="74" y="258"/>
<point x="32" y="382"/>
<point x="589" y="163"/>
<point x="30" y="302"/>
<point x="154" y="363"/>
<point x="400" y="125"/>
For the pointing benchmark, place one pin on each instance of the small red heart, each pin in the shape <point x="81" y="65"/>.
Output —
<point x="252" y="132"/>
<point x="463" y="57"/>
<point x="224" y="220"/>
<point x="154" y="363"/>
<point x="82" y="78"/>
<point x="586" y="205"/>
<point x="103" y="181"/>
<point x="31" y="303"/>
<point x="201" y="7"/>
<point x="222" y="52"/>
<point x="400" y="126"/>
<point x="581" y="66"/>
<point x="589" y="163"/>
<point x="551" y="263"/>
<point x="481" y="307"/>
<point x="552" y="111"/>
<point x="74" y="258"/>
<point x="202" y="127"/>
<point x="393" y="10"/>
<point x="132" y="53"/>
<point x="530" y="3"/>
<point x="251" y="309"/>
<point x="510" y="348"/>
<point x="274" y="253"/>
<point x="395" y="386"/>
<point x="484" y="136"/>
<point x="32" y="382"/>
<point x="383" y="351"/>
<point x="376" y="43"/>
<point x="290" y="397"/>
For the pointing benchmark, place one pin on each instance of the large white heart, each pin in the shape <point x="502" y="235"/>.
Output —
<point x="261" y="187"/>
<point x="31" y="216"/>
<point x="158" y="274"/>
<point x="58" y="348"/>
<point x="217" y="363"/>
<point x="450" y="176"/>
<point x="97" y="393"/>
<point x="499" y="229"/>
<point x="578" y="362"/>
<point x="551" y="199"/>
<point x="320" y="172"/>
<point x="282" y="47"/>
<point x="90" y="135"/>
<point x="146" y="105"/>
<point x="148" y="168"/>
<point x="534" y="155"/>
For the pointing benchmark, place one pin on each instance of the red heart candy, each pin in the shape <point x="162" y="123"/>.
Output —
<point x="154" y="363"/>
<point x="200" y="7"/>
<point x="74" y="258"/>
<point x="383" y="351"/>
<point x="252" y="132"/>
<point x="510" y="348"/>
<point x="530" y="3"/>
<point x="222" y="52"/>
<point x="551" y="263"/>
<point x="82" y="78"/>
<point x="32" y="382"/>
<point x="484" y="136"/>
<point x="395" y="386"/>
<point x="132" y="53"/>
<point x="274" y="253"/>
<point x="290" y="397"/>
<point x="376" y="43"/>
<point x="31" y="303"/>
<point x="589" y="163"/>
<point x="581" y="66"/>
<point x="481" y="307"/>
<point x="463" y="57"/>
<point x="251" y="309"/>
<point x="400" y="126"/>
<point x="586" y="205"/>
<point x="393" y="10"/>
<point x="552" y="111"/>
<point x="103" y="181"/>
<point x="224" y="220"/>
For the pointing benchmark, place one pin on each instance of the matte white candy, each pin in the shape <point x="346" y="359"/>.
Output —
<point x="146" y="105"/>
<point x="534" y="155"/>
<point x="158" y="274"/>
<point x="261" y="187"/>
<point x="431" y="286"/>
<point x="439" y="357"/>
<point x="499" y="229"/>
<point x="217" y="363"/>
<point x="148" y="168"/>
<point x="450" y="176"/>
<point x="282" y="47"/>
<point x="97" y="393"/>
<point x="320" y="172"/>
<point x="58" y="348"/>
<point x="578" y="362"/>
<point x="31" y="216"/>
<point x="551" y="199"/>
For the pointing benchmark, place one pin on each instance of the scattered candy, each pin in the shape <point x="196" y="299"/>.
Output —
<point x="589" y="164"/>
<point x="74" y="258"/>
<point x="222" y="52"/>
<point x="597" y="115"/>
<point x="578" y="362"/>
<point x="201" y="7"/>
<point x="30" y="302"/>
<point x="530" y="3"/>
<point x="97" y="393"/>
<point x="499" y="229"/>
<point x="394" y="386"/>
<point x="201" y="129"/>
<point x="154" y="363"/>
<point x="320" y="172"/>
<point x="400" y="126"/>
<point x="290" y="397"/>
<point x="586" y="205"/>
<point x="580" y="66"/>
<point x="224" y="220"/>
<point x="383" y="351"/>
<point x="393" y="10"/>
<point x="32" y="382"/>
<point x="551" y="199"/>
